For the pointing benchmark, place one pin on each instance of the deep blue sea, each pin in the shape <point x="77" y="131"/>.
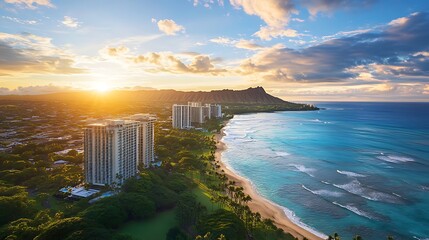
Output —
<point x="353" y="168"/>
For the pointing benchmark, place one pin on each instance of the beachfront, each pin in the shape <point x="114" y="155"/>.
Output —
<point x="266" y="208"/>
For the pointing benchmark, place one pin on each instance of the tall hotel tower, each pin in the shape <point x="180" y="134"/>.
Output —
<point x="185" y="116"/>
<point x="146" y="138"/>
<point x="181" y="116"/>
<point x="111" y="151"/>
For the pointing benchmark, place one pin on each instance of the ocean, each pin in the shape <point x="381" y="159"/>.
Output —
<point x="351" y="168"/>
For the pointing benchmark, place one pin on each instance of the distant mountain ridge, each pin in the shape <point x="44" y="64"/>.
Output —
<point x="255" y="95"/>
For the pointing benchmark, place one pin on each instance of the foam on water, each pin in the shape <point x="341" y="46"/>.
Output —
<point x="395" y="158"/>
<point x="304" y="169"/>
<point x="375" y="154"/>
<point x="282" y="154"/>
<point x="355" y="187"/>
<point x="323" y="192"/>
<point x="355" y="210"/>
<point x="289" y="213"/>
<point x="295" y="219"/>
<point x="350" y="174"/>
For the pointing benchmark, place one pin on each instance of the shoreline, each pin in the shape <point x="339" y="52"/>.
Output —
<point x="265" y="207"/>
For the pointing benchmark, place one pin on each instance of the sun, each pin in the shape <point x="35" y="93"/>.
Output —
<point x="101" y="87"/>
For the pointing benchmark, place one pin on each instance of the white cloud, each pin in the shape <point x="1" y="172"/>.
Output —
<point x="20" y="21"/>
<point x="298" y="20"/>
<point x="241" y="43"/>
<point x="31" y="4"/>
<point x="207" y="3"/>
<point x="267" y="33"/>
<point x="169" y="27"/>
<point x="398" y="21"/>
<point x="246" y="44"/>
<point x="221" y="40"/>
<point x="70" y="22"/>
<point x="194" y="63"/>
<point x="275" y="13"/>
<point x="22" y="54"/>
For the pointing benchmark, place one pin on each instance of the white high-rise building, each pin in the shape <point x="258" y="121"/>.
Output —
<point x="194" y="113"/>
<point x="206" y="111"/>
<point x="216" y="110"/>
<point x="146" y="138"/>
<point x="111" y="151"/>
<point x="181" y="116"/>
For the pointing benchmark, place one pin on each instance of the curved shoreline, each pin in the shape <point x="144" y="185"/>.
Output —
<point x="265" y="207"/>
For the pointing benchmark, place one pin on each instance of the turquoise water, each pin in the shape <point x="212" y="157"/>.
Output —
<point x="354" y="168"/>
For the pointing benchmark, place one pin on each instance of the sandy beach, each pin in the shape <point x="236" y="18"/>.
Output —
<point x="259" y="204"/>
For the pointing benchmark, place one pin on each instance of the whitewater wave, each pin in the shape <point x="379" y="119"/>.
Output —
<point x="295" y="219"/>
<point x="355" y="187"/>
<point x="282" y="154"/>
<point x="350" y="174"/>
<point x="289" y="213"/>
<point x="323" y="192"/>
<point x="395" y="158"/>
<point x="355" y="210"/>
<point x="415" y="237"/>
<point x="304" y="169"/>
<point x="396" y="194"/>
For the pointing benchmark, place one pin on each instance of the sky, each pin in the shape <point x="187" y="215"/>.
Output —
<point x="299" y="50"/>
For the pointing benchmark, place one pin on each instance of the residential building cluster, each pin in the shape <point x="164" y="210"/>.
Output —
<point x="194" y="113"/>
<point x="115" y="149"/>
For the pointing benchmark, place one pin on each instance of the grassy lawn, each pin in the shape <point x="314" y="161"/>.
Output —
<point x="203" y="196"/>
<point x="153" y="229"/>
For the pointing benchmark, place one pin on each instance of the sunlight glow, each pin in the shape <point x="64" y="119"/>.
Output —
<point x="101" y="87"/>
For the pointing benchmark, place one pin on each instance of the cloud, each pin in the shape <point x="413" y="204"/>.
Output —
<point x="207" y="3"/>
<point x="20" y="21"/>
<point x="367" y="92"/>
<point x="396" y="52"/>
<point x="298" y="20"/>
<point x="316" y="6"/>
<point x="174" y="63"/>
<point x="267" y="33"/>
<point x="221" y="40"/>
<point x="34" y="90"/>
<point x="275" y="13"/>
<point x="241" y="43"/>
<point x="169" y="27"/>
<point x="70" y="22"/>
<point x="31" y="54"/>
<point x="31" y="4"/>
<point x="246" y="44"/>
<point x="114" y="51"/>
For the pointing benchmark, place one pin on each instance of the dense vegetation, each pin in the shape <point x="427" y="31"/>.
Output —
<point x="32" y="208"/>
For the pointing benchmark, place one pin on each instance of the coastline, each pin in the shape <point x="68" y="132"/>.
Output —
<point x="266" y="208"/>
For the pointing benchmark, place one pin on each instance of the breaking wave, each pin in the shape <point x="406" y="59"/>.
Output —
<point x="350" y="174"/>
<point x="355" y="187"/>
<point x="355" y="210"/>
<point x="395" y="158"/>
<point x="304" y="169"/>
<point x="282" y="154"/>
<point x="323" y="192"/>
